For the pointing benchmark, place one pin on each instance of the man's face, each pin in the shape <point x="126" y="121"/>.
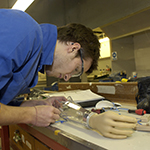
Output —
<point x="65" y="64"/>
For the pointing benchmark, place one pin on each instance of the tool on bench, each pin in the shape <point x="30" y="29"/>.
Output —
<point x="138" y="111"/>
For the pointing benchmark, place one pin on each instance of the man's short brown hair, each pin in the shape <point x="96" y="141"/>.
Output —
<point x="85" y="37"/>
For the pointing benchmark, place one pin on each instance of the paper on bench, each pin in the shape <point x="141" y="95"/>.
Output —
<point x="77" y="95"/>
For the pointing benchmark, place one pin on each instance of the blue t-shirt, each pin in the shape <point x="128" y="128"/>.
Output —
<point x="25" y="47"/>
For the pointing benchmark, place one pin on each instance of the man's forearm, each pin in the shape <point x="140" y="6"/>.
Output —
<point x="13" y="115"/>
<point x="30" y="103"/>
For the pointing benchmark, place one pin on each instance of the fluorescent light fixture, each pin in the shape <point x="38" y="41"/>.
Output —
<point x="104" y="39"/>
<point x="22" y="4"/>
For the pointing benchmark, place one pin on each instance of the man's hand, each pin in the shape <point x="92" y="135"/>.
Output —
<point x="46" y="111"/>
<point x="52" y="101"/>
<point x="55" y="101"/>
<point x="45" y="115"/>
<point x="113" y="125"/>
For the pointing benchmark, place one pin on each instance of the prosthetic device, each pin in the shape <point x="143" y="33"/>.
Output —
<point x="74" y="112"/>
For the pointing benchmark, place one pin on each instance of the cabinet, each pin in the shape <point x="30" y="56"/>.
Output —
<point x="21" y="140"/>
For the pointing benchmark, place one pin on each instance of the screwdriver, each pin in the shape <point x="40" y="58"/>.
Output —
<point x="138" y="111"/>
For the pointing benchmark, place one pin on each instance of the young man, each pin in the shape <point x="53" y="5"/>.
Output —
<point x="26" y="48"/>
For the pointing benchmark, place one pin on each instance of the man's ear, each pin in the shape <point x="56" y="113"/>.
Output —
<point x="73" y="46"/>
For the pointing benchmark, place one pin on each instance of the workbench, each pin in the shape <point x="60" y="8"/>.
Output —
<point x="67" y="135"/>
<point x="51" y="137"/>
<point x="71" y="136"/>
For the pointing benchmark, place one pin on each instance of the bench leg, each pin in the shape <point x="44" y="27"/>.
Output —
<point x="5" y="138"/>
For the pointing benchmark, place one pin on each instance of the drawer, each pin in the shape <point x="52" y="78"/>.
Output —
<point x="21" y="139"/>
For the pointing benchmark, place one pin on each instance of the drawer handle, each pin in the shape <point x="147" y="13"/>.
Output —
<point x="17" y="136"/>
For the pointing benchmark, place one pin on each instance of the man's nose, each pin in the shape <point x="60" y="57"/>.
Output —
<point x="67" y="77"/>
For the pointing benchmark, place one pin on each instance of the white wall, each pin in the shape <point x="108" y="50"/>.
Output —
<point x="142" y="53"/>
<point x="125" y="55"/>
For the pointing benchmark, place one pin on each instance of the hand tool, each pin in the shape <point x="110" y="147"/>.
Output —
<point x="138" y="111"/>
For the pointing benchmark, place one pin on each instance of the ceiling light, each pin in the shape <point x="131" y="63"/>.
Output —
<point x="22" y="4"/>
<point x="104" y="39"/>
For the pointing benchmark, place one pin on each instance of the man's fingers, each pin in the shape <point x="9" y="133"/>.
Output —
<point x="56" y="101"/>
<point x="55" y="116"/>
<point x="57" y="104"/>
<point x="56" y="111"/>
<point x="46" y="115"/>
<point x="52" y="121"/>
<point x="62" y="98"/>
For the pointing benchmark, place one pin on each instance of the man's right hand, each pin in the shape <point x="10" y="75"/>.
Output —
<point x="45" y="115"/>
